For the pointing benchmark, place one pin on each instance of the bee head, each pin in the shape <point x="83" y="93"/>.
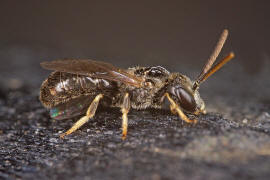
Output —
<point x="184" y="92"/>
<point x="180" y="90"/>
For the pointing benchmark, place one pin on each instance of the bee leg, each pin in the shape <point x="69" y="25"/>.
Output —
<point x="175" y="109"/>
<point x="89" y="114"/>
<point x="125" y="109"/>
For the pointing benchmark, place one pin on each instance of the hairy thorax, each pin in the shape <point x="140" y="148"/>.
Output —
<point x="151" y="94"/>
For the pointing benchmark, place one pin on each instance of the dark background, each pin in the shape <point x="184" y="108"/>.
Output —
<point x="179" y="35"/>
<point x="230" y="142"/>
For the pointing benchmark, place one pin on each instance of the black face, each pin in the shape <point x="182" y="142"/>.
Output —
<point x="183" y="98"/>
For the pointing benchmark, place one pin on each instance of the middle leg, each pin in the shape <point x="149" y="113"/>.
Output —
<point x="125" y="109"/>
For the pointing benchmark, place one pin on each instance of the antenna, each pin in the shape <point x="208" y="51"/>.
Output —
<point x="215" y="68"/>
<point x="207" y="70"/>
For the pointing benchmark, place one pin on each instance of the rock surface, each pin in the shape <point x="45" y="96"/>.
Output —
<point x="159" y="145"/>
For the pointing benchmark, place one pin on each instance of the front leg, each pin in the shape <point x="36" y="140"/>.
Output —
<point x="125" y="109"/>
<point x="175" y="109"/>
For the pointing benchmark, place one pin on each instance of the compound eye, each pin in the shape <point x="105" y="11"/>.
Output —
<point x="186" y="100"/>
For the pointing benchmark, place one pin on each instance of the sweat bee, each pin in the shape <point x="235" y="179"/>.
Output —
<point x="78" y="86"/>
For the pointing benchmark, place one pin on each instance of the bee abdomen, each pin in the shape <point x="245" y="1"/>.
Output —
<point x="60" y="87"/>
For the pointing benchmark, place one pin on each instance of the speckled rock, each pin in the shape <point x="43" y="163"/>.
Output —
<point x="158" y="146"/>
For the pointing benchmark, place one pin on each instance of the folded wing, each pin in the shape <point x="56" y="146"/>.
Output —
<point x="97" y="69"/>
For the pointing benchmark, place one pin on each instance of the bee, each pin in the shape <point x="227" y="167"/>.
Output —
<point x="78" y="86"/>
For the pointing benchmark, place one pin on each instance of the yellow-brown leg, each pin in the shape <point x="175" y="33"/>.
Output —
<point x="125" y="108"/>
<point x="175" y="109"/>
<point x="89" y="114"/>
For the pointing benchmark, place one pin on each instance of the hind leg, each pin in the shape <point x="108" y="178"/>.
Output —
<point x="89" y="114"/>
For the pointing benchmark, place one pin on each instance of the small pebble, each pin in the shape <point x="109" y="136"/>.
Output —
<point x="108" y="132"/>
<point x="53" y="140"/>
<point x="111" y="145"/>
<point x="245" y="121"/>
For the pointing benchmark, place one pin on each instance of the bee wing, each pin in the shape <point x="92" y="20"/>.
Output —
<point x="72" y="108"/>
<point x="97" y="69"/>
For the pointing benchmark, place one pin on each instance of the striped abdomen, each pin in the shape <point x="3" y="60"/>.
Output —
<point x="62" y="87"/>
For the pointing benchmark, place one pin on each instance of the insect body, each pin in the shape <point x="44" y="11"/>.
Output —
<point x="77" y="87"/>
